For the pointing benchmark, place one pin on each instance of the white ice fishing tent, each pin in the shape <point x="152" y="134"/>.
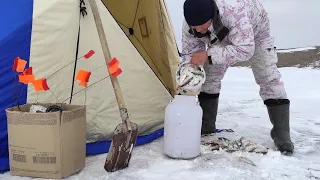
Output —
<point x="140" y="36"/>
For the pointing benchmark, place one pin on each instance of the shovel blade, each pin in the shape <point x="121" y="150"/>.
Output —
<point x="121" y="147"/>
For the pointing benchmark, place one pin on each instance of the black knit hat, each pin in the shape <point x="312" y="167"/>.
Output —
<point x="198" y="12"/>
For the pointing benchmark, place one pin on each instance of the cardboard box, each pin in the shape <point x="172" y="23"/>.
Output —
<point x="47" y="145"/>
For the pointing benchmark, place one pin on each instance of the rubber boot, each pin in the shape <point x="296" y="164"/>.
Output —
<point x="278" y="111"/>
<point x="209" y="105"/>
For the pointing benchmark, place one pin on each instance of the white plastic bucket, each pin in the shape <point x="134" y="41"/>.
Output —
<point x="182" y="127"/>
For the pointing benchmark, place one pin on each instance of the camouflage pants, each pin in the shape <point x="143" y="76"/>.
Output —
<point x="263" y="65"/>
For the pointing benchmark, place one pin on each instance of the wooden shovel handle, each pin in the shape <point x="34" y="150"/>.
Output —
<point x="106" y="52"/>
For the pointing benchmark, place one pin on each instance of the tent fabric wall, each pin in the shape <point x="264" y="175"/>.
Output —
<point x="151" y="34"/>
<point x="45" y="33"/>
<point x="15" y="37"/>
<point x="144" y="94"/>
<point x="53" y="45"/>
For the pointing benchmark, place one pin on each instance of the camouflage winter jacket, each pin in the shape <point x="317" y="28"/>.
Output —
<point x="236" y="27"/>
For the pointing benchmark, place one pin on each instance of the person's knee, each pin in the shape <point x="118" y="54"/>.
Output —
<point x="212" y="87"/>
<point x="273" y="91"/>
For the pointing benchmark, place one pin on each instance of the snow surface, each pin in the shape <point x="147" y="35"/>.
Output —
<point x="242" y="110"/>
<point x="294" y="23"/>
<point x="291" y="50"/>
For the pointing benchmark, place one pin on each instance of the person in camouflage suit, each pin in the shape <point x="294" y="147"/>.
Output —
<point x="218" y="33"/>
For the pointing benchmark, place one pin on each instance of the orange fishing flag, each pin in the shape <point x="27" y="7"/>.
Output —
<point x="26" y="79"/>
<point x="19" y="64"/>
<point x="114" y="67"/>
<point x="26" y="76"/>
<point x="83" y="76"/>
<point x="40" y="85"/>
<point x="89" y="54"/>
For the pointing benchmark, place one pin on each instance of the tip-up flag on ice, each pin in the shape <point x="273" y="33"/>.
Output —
<point x="41" y="85"/>
<point x="83" y="76"/>
<point x="19" y="64"/>
<point x="114" y="67"/>
<point x="26" y="76"/>
<point x="89" y="54"/>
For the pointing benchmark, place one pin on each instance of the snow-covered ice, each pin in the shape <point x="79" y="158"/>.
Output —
<point x="242" y="110"/>
<point x="291" y="50"/>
